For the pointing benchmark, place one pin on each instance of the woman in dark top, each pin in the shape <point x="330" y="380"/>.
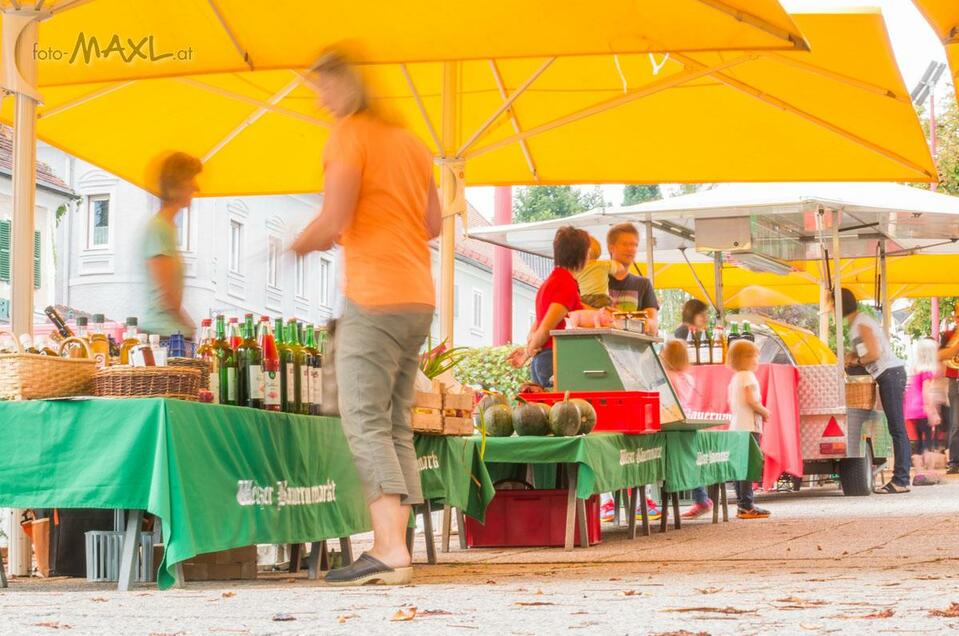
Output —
<point x="694" y="318"/>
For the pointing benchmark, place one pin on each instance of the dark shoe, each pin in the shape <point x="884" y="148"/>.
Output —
<point x="752" y="513"/>
<point x="366" y="570"/>
<point x="891" y="489"/>
<point x="953" y="470"/>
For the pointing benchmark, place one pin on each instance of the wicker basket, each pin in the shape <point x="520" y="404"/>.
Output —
<point x="192" y="363"/>
<point x="28" y="376"/>
<point x="861" y="393"/>
<point x="139" y="382"/>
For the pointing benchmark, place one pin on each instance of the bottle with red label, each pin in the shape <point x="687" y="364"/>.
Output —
<point x="271" y="367"/>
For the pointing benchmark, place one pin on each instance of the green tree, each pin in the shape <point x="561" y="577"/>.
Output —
<point x="540" y="203"/>
<point x="919" y="323"/>
<point x="947" y="143"/>
<point x="634" y="194"/>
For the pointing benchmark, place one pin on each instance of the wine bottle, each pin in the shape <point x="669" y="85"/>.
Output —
<point x="130" y="340"/>
<point x="306" y="363"/>
<point x="225" y="365"/>
<point x="249" y="368"/>
<point x="294" y="394"/>
<point x="271" y="369"/>
<point x="316" y="384"/>
<point x="62" y="327"/>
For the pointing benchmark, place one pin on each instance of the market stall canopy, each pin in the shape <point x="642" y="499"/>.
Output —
<point x="839" y="111"/>
<point x="920" y="229"/>
<point x="219" y="36"/>
<point x="943" y="15"/>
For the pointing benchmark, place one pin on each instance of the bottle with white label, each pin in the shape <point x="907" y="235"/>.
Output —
<point x="316" y="384"/>
<point x="306" y="363"/>
<point x="249" y="369"/>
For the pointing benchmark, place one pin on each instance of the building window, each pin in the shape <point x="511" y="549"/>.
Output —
<point x="236" y="246"/>
<point x="274" y="252"/>
<point x="456" y="301"/>
<point x="98" y="221"/>
<point x="477" y="310"/>
<point x="326" y="282"/>
<point x="301" y="276"/>
<point x="182" y="222"/>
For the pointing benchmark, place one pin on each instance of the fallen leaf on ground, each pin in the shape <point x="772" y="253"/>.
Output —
<point x="616" y="578"/>
<point x="579" y="613"/>
<point x="886" y="613"/>
<point x="810" y="627"/>
<point x="713" y="610"/>
<point x="491" y="582"/>
<point x="291" y="580"/>
<point x="819" y="547"/>
<point x="434" y="613"/>
<point x="53" y="625"/>
<point x="99" y="599"/>
<point x="709" y="590"/>
<point x="950" y="612"/>
<point x="532" y="603"/>
<point x="539" y="593"/>
<point x="681" y="632"/>
<point x="345" y="617"/>
<point x="794" y="602"/>
<point x="228" y="594"/>
<point x="282" y="618"/>
<point x="926" y="577"/>
<point x="632" y="593"/>
<point x="404" y="614"/>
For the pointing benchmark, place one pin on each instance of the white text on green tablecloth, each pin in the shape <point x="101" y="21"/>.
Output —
<point x="627" y="457"/>
<point x="249" y="493"/>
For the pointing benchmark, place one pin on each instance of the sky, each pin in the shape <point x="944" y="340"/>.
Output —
<point x="913" y="43"/>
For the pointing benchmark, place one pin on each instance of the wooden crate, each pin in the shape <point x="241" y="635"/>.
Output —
<point x="427" y="421"/>
<point x="457" y="425"/>
<point x="464" y="401"/>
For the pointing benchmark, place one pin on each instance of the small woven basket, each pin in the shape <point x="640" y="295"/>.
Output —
<point x="861" y="394"/>
<point x="192" y="363"/>
<point x="140" y="382"/>
<point x="28" y="376"/>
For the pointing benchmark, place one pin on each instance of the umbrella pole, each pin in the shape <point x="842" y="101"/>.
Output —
<point x="650" y="264"/>
<point x="718" y="279"/>
<point x="884" y="290"/>
<point x="837" y="299"/>
<point x="19" y="78"/>
<point x="451" y="198"/>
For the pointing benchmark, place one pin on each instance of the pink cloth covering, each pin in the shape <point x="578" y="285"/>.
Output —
<point x="779" y="388"/>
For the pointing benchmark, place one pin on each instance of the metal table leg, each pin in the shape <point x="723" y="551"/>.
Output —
<point x="313" y="562"/>
<point x="461" y="527"/>
<point x="722" y="495"/>
<point x="631" y="503"/>
<point x="131" y="550"/>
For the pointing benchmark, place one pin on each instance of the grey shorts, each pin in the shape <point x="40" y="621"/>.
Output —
<point x="377" y="357"/>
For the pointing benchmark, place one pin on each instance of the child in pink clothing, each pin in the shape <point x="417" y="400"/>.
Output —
<point x="919" y="403"/>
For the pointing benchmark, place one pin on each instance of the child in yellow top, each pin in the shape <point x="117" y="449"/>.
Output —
<point x="593" y="279"/>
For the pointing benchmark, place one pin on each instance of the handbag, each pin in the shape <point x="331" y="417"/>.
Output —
<point x="331" y="399"/>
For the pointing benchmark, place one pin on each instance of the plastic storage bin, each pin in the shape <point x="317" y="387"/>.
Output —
<point x="530" y="518"/>
<point x="632" y="412"/>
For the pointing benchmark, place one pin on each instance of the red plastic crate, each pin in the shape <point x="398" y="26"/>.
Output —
<point x="530" y="518"/>
<point x="634" y="412"/>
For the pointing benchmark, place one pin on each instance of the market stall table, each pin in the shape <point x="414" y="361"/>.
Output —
<point x="779" y="389"/>
<point x="595" y="463"/>
<point x="217" y="477"/>
<point x="709" y="458"/>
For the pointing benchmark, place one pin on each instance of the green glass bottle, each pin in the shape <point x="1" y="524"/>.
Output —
<point x="294" y="394"/>
<point x="316" y="384"/>
<point x="224" y="359"/>
<point x="249" y="368"/>
<point x="306" y="367"/>
<point x="283" y="350"/>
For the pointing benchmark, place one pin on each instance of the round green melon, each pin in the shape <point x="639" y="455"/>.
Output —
<point x="544" y="407"/>
<point x="499" y="420"/>
<point x="565" y="418"/>
<point x="530" y="419"/>
<point x="490" y="399"/>
<point x="587" y="415"/>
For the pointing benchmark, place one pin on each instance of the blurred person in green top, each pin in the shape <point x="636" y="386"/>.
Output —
<point x="162" y="312"/>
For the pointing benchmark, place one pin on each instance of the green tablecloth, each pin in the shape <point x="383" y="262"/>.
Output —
<point x="702" y="458"/>
<point x="607" y="461"/>
<point x="453" y="473"/>
<point x="218" y="477"/>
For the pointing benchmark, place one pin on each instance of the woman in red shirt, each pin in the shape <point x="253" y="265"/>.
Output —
<point x="556" y="299"/>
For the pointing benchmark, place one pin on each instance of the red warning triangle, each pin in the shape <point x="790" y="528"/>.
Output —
<point x="833" y="429"/>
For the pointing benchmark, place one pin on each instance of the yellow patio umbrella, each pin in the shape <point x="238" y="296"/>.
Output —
<point x="943" y="15"/>
<point x="104" y="67"/>
<point x="839" y="111"/>
<point x="911" y="276"/>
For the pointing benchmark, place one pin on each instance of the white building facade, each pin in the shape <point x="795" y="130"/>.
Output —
<point x="236" y="262"/>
